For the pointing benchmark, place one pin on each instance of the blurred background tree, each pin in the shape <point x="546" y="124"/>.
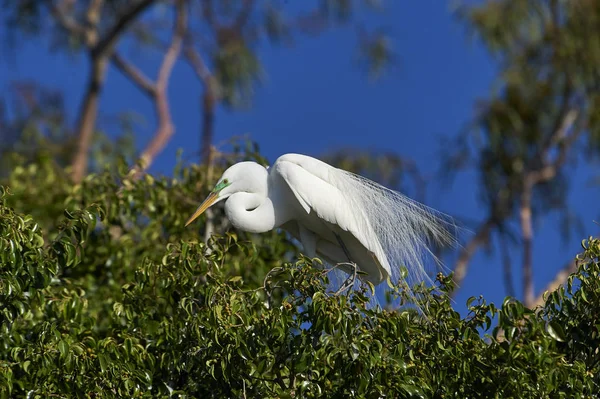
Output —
<point x="527" y="138"/>
<point x="217" y="39"/>
<point x="523" y="143"/>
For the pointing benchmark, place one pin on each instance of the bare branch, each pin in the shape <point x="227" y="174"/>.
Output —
<point x="208" y="110"/>
<point x="174" y="49"/>
<point x="480" y="238"/>
<point x="506" y="266"/>
<point x="165" y="127"/>
<point x="108" y="41"/>
<point x="559" y="279"/>
<point x="100" y="56"/>
<point x="209" y="102"/>
<point x="198" y="64"/>
<point x="209" y="228"/>
<point x="65" y="20"/>
<point x="135" y="75"/>
<point x="564" y="142"/>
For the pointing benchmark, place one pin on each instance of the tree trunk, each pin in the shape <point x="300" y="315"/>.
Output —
<point x="87" y="117"/>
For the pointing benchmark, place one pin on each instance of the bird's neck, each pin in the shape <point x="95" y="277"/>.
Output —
<point x="251" y="212"/>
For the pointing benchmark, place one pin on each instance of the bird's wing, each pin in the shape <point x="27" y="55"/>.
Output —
<point x="310" y="181"/>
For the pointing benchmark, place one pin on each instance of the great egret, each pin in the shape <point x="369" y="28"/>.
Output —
<point x="340" y="217"/>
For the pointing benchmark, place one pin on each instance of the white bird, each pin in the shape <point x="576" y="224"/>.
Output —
<point x="340" y="217"/>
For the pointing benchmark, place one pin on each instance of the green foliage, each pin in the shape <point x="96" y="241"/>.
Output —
<point x="105" y="294"/>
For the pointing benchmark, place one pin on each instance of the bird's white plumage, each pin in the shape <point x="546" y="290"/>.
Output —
<point x="319" y="204"/>
<point x="328" y="211"/>
<point x="396" y="229"/>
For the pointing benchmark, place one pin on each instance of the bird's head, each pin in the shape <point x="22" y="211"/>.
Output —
<point x="242" y="177"/>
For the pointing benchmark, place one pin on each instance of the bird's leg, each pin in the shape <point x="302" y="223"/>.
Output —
<point x="352" y="278"/>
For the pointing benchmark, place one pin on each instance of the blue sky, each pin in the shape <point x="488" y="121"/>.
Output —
<point x="315" y="99"/>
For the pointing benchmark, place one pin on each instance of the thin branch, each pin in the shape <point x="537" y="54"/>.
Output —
<point x="506" y="266"/>
<point x="209" y="101"/>
<point x="165" y="127"/>
<point x="480" y="238"/>
<point x="174" y="49"/>
<point x="209" y="228"/>
<point x="564" y="142"/>
<point x="66" y="21"/>
<point x="560" y="116"/>
<point x="135" y="75"/>
<point x="198" y="65"/>
<point x="108" y="41"/>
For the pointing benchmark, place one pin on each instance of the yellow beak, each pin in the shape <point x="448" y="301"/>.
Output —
<point x="212" y="197"/>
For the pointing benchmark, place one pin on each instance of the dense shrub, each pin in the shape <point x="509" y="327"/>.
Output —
<point x="105" y="294"/>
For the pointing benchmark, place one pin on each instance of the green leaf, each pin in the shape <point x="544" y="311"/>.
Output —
<point x="556" y="331"/>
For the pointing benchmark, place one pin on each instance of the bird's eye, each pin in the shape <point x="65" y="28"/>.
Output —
<point x="226" y="181"/>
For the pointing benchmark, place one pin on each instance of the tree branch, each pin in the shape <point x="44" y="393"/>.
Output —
<point x="135" y="75"/>
<point x="209" y="102"/>
<point x="99" y="54"/>
<point x="66" y="21"/>
<point x="480" y="238"/>
<point x="165" y="127"/>
<point x="564" y="142"/>
<point x="108" y="41"/>
<point x="198" y="65"/>
<point x="506" y="266"/>
<point x="558" y="280"/>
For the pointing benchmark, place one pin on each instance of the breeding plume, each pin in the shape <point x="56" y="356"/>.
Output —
<point x="340" y="217"/>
